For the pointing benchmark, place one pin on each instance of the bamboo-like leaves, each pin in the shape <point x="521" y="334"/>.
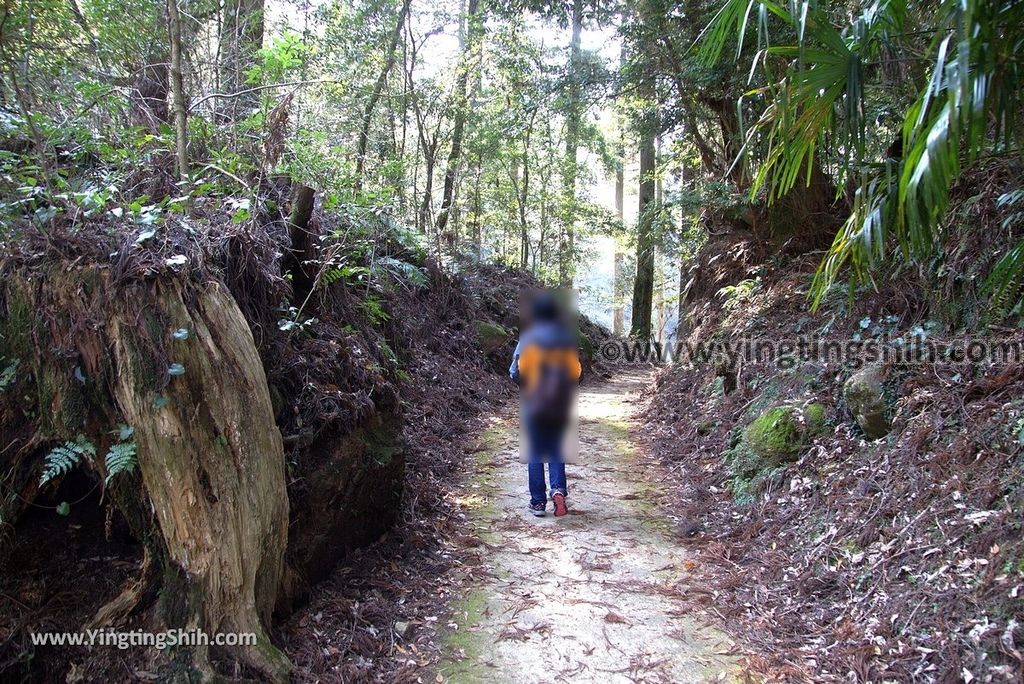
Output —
<point x="820" y="105"/>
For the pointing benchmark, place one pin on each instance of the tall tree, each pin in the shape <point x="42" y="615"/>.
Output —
<point x="470" y="35"/>
<point x="375" y="95"/>
<point x="643" y="286"/>
<point x="659" y="252"/>
<point x="178" y="89"/>
<point x="241" y="38"/>
<point x="618" y="258"/>
<point x="573" y="118"/>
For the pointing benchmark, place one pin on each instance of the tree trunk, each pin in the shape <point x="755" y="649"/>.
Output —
<point x="524" y="228"/>
<point x="213" y="464"/>
<point x="178" y="89"/>
<point x="732" y="141"/>
<point x="523" y="195"/>
<point x="659" y="256"/>
<point x="573" y="116"/>
<point x="150" y="90"/>
<point x="682" y="325"/>
<point x="618" y="258"/>
<point x="423" y="217"/>
<point x="643" y="286"/>
<point x="302" y="250"/>
<point x="212" y="506"/>
<point x="478" y="233"/>
<point x="240" y="42"/>
<point x="472" y="31"/>
<point x="378" y="89"/>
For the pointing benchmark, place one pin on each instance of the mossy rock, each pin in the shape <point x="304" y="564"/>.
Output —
<point x="780" y="433"/>
<point x="584" y="343"/>
<point x="491" y="336"/>
<point x="775" y="438"/>
<point x="865" y="395"/>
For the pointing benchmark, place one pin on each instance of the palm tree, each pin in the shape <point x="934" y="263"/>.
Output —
<point x="956" y="67"/>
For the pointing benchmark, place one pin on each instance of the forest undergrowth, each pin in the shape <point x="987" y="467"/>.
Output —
<point x="377" y="363"/>
<point x="892" y="557"/>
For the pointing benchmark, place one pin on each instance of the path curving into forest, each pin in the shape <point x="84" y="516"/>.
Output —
<point x="595" y="596"/>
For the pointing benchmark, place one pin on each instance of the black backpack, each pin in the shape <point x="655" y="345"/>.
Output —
<point x="549" y="403"/>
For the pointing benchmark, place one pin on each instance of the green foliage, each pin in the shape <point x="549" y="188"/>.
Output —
<point x="348" y="273"/>
<point x="822" y="108"/>
<point x="282" y="58"/>
<point x="8" y="374"/>
<point x="735" y="295"/>
<point x="63" y="457"/>
<point x="374" y="310"/>
<point x="293" y="321"/>
<point x="120" y="459"/>
<point x="400" y="270"/>
<point x="1005" y="284"/>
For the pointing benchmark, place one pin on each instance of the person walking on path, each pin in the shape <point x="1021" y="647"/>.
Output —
<point x="546" y="366"/>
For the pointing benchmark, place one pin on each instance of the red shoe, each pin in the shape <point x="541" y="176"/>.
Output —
<point x="558" y="498"/>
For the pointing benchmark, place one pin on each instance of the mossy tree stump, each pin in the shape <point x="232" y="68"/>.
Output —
<point x="214" y="507"/>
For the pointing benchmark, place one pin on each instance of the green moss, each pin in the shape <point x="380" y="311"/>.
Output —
<point x="782" y="432"/>
<point x="865" y="394"/>
<point x="585" y="343"/>
<point x="16" y="327"/>
<point x="814" y="414"/>
<point x="706" y="427"/>
<point x="490" y="336"/>
<point x="62" y="405"/>
<point x="773" y="439"/>
<point x="461" y="647"/>
<point x="775" y="435"/>
<point x="745" y="489"/>
<point x="481" y="506"/>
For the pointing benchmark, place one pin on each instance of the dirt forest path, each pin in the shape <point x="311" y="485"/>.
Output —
<point x="590" y="597"/>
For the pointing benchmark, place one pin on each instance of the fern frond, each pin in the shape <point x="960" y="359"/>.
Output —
<point x="120" y="459"/>
<point x="1005" y="285"/>
<point x="353" y="273"/>
<point x="64" y="457"/>
<point x="413" y="274"/>
<point x="332" y="276"/>
<point x="8" y="374"/>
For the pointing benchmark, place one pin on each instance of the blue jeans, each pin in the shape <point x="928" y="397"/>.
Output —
<point x="545" y="445"/>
